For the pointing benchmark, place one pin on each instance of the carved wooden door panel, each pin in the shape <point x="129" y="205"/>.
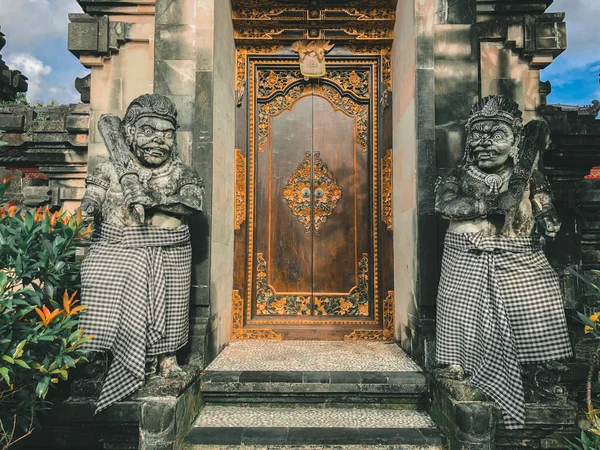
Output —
<point x="312" y="223"/>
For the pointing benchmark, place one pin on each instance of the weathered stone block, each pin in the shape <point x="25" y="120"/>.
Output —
<point x="83" y="36"/>
<point x="12" y="122"/>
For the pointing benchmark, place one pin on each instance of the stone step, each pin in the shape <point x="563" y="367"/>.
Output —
<point x="314" y="372"/>
<point x="400" y="388"/>
<point x="219" y="426"/>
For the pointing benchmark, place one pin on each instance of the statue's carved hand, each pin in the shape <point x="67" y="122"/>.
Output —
<point x="90" y="208"/>
<point x="548" y="225"/>
<point x="140" y="196"/>
<point x="136" y="194"/>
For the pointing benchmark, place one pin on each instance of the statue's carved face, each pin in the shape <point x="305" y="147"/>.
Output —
<point x="153" y="140"/>
<point x="490" y="144"/>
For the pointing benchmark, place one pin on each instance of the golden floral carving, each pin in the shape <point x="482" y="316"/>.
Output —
<point x="387" y="214"/>
<point x="353" y="81"/>
<point x="242" y="52"/>
<point x="385" y="51"/>
<point x="387" y="333"/>
<point x="326" y="191"/>
<point x="356" y="303"/>
<point x="308" y="195"/>
<point x="269" y="303"/>
<point x="240" y="189"/>
<point x="271" y="81"/>
<point x="237" y="329"/>
<point x="349" y="106"/>
<point x="370" y="33"/>
<point x="378" y="14"/>
<point x="274" y="107"/>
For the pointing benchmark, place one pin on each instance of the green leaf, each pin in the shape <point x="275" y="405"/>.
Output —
<point x="8" y="359"/>
<point x="4" y="374"/>
<point x="42" y="387"/>
<point x="68" y="361"/>
<point x="19" y="350"/>
<point x="586" y="320"/>
<point x="23" y="364"/>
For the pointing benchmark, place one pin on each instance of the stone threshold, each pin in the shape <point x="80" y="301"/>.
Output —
<point x="309" y="377"/>
<point x="312" y="436"/>
<point x="407" y="388"/>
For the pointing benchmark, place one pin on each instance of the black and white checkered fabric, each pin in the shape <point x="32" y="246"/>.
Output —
<point x="499" y="304"/>
<point x="136" y="295"/>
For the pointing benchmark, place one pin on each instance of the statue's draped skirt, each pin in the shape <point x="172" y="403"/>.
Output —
<point x="499" y="305"/>
<point x="136" y="285"/>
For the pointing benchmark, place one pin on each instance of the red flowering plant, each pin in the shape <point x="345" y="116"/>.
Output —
<point x="40" y="342"/>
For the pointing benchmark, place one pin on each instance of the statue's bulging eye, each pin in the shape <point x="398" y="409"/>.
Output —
<point x="168" y="134"/>
<point x="147" y="131"/>
<point x="498" y="136"/>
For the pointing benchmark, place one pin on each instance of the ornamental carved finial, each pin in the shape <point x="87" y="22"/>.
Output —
<point x="312" y="57"/>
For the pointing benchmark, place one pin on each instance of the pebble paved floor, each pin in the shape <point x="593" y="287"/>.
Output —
<point x="301" y="416"/>
<point x="313" y="356"/>
<point x="311" y="447"/>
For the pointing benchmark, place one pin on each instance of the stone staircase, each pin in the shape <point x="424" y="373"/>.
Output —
<point x="313" y="394"/>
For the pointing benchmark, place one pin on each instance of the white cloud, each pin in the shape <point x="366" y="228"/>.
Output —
<point x="34" y="69"/>
<point x="27" y="22"/>
<point x="583" y="33"/>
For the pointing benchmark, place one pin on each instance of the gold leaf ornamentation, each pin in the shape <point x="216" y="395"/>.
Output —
<point x="356" y="303"/>
<point x="269" y="303"/>
<point x="387" y="213"/>
<point x="385" y="51"/>
<point x="272" y="81"/>
<point x="319" y="195"/>
<point x="349" y="106"/>
<point x="274" y="107"/>
<point x="355" y="81"/>
<point x="240" y="189"/>
<point x="387" y="334"/>
<point x="237" y="329"/>
<point x="242" y="53"/>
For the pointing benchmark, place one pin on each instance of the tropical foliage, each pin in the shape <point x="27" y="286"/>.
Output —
<point x="590" y="437"/>
<point x="39" y="340"/>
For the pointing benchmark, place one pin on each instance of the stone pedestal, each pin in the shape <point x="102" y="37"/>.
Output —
<point x="156" y="418"/>
<point x="471" y="421"/>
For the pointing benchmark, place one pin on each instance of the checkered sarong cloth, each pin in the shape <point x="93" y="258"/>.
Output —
<point x="499" y="304"/>
<point x="136" y="295"/>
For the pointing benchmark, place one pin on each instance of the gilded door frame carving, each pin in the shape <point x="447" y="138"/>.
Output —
<point x="348" y="85"/>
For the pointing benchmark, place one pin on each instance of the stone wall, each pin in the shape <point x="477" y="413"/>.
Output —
<point x="47" y="150"/>
<point x="117" y="44"/>
<point x="12" y="82"/>
<point x="446" y="55"/>
<point x="195" y="66"/>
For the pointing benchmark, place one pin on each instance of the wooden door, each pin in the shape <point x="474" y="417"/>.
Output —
<point x="312" y="234"/>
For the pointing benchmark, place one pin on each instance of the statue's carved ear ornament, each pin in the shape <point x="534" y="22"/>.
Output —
<point x="496" y="107"/>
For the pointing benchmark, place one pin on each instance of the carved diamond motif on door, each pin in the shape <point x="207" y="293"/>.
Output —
<point x="312" y="190"/>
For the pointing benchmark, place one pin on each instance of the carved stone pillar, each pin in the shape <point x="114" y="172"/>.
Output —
<point x="194" y="65"/>
<point x="116" y="41"/>
<point x="516" y="41"/>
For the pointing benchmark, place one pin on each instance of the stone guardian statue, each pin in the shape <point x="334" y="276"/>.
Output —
<point x="136" y="274"/>
<point x="499" y="301"/>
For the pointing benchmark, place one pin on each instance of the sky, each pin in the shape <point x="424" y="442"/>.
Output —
<point x="36" y="34"/>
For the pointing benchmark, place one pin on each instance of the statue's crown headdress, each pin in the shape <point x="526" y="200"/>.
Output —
<point x="151" y="105"/>
<point x="496" y="107"/>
